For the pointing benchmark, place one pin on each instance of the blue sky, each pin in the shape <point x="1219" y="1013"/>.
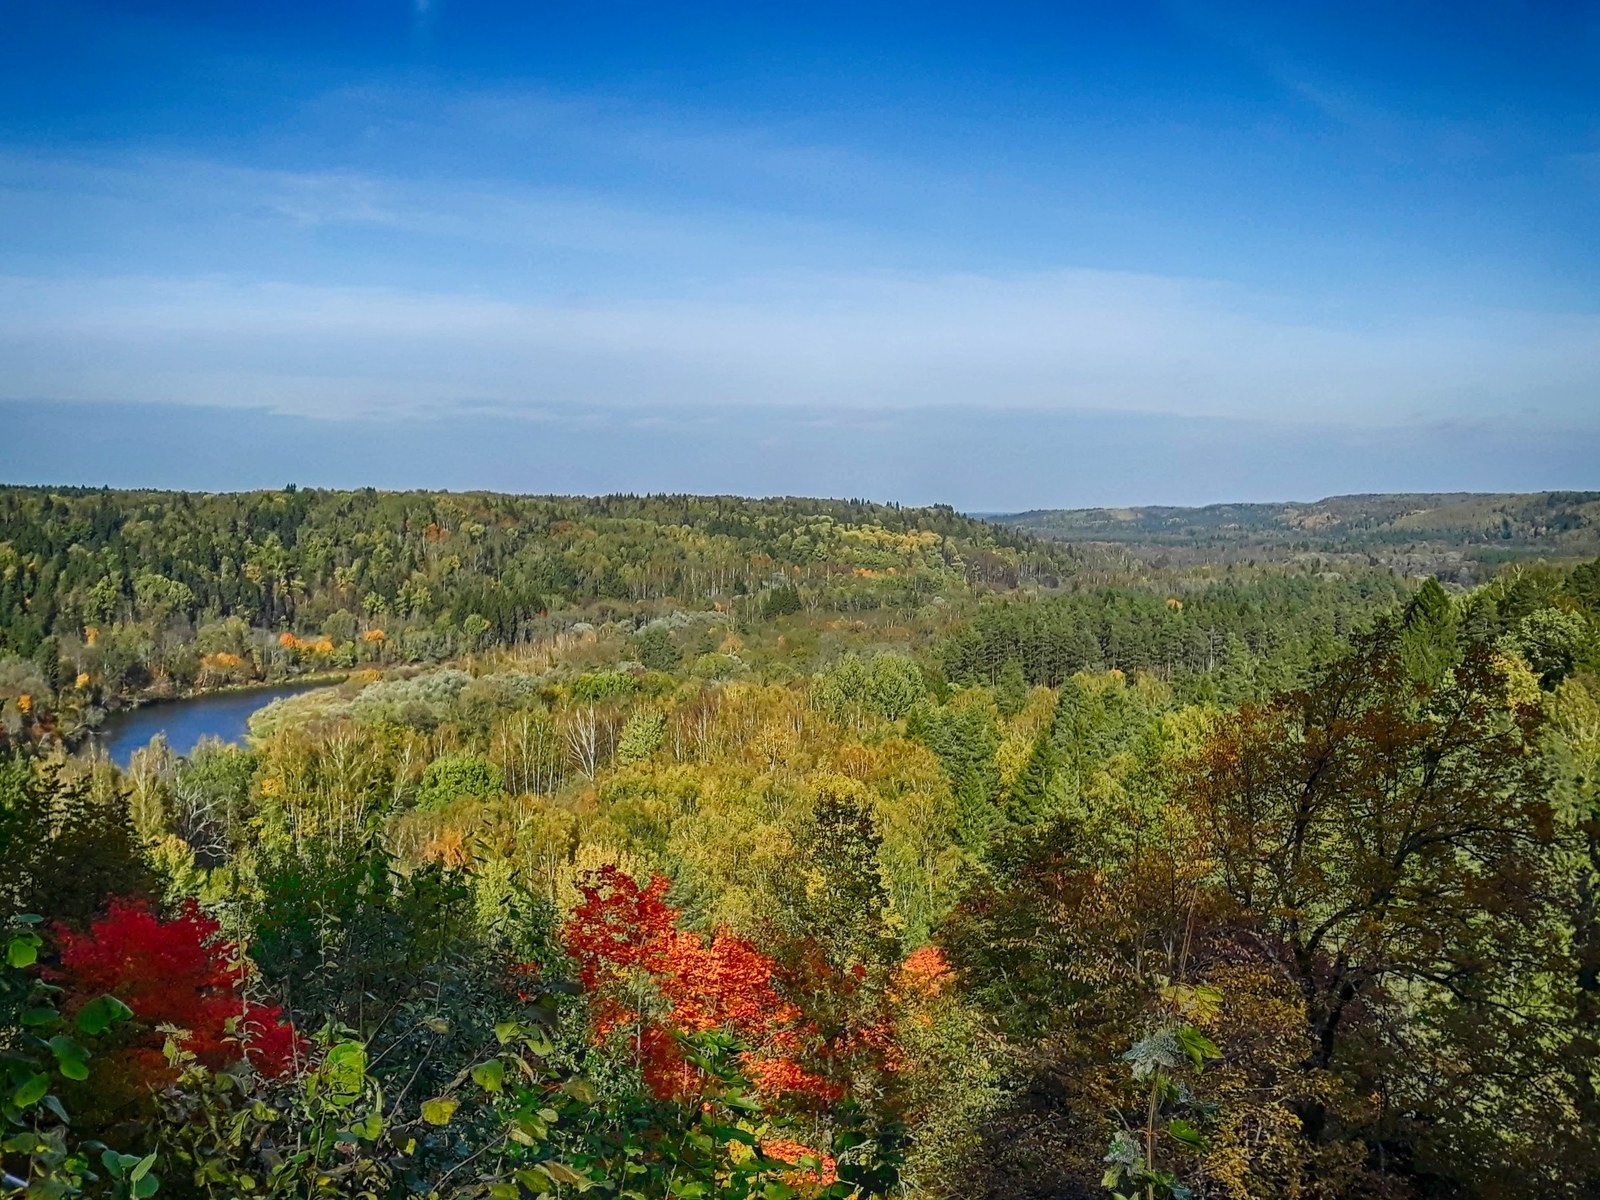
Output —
<point x="998" y="255"/>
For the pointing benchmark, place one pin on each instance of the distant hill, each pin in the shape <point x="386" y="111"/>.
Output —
<point x="1448" y="533"/>
<point x="419" y="563"/>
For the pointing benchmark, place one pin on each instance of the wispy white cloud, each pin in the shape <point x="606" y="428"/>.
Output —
<point x="240" y="211"/>
<point x="339" y="291"/>
<point x="1056" y="341"/>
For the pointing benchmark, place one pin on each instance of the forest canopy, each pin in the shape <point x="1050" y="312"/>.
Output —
<point x="685" y="846"/>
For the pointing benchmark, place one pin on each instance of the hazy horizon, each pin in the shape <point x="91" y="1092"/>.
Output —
<point x="1050" y="460"/>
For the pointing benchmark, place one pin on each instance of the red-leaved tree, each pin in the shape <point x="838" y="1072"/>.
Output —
<point x="179" y="973"/>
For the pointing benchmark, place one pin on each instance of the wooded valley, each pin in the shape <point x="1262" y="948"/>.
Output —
<point x="675" y="846"/>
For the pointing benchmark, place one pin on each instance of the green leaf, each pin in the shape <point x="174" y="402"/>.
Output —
<point x="31" y="1090"/>
<point x="1183" y="1132"/>
<point x="506" y="1030"/>
<point x="370" y="1128"/>
<point x="23" y="949"/>
<point x="580" y="1089"/>
<point x="1196" y="1044"/>
<point x="34" y="1017"/>
<point x="71" y="1058"/>
<point x="489" y="1075"/>
<point x="146" y="1185"/>
<point x="528" y="1132"/>
<point x="101" y="1013"/>
<point x="345" y="1069"/>
<point x="439" y="1110"/>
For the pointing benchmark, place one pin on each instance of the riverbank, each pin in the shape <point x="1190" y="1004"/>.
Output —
<point x="184" y="721"/>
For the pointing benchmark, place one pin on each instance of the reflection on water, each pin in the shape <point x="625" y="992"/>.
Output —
<point x="184" y="722"/>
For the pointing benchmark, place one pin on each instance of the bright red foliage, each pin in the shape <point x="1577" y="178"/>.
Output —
<point x="178" y="973"/>
<point x="627" y="947"/>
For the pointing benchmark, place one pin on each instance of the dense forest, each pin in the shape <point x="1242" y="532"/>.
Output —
<point x="142" y="594"/>
<point x="648" y="847"/>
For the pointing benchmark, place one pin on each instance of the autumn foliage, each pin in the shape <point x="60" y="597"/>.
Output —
<point x="790" y="1151"/>
<point x="178" y="973"/>
<point x="925" y="973"/>
<point x="649" y="981"/>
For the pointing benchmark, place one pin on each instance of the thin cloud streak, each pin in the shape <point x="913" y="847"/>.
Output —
<point x="1055" y="341"/>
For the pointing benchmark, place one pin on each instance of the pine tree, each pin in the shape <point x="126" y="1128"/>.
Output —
<point x="1029" y="798"/>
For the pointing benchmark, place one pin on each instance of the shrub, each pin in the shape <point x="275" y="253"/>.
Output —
<point x="448" y="779"/>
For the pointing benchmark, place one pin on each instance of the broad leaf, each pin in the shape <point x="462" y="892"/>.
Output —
<point x="439" y="1110"/>
<point x="31" y="1091"/>
<point x="101" y="1013"/>
<point x="489" y="1075"/>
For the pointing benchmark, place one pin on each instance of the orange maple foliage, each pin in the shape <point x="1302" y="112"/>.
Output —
<point x="621" y="934"/>
<point x="924" y="973"/>
<point x="450" y="848"/>
<point x="790" y="1151"/>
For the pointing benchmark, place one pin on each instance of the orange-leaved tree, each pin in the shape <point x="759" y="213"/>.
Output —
<point x="649" y="981"/>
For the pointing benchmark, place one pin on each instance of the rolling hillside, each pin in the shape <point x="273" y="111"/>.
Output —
<point x="1452" y="533"/>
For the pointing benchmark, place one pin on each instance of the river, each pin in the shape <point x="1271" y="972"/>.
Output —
<point x="224" y="715"/>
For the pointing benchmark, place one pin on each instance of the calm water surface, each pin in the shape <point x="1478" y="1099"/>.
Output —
<point x="185" y="722"/>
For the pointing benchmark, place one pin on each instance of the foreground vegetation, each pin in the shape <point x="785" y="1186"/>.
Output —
<point x="972" y="869"/>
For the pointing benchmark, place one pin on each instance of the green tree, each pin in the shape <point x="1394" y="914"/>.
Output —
<point x="340" y="626"/>
<point x="1011" y="689"/>
<point x="846" y="905"/>
<point x="1388" y="838"/>
<point x="896" y="685"/>
<point x="653" y="647"/>
<point x="964" y="737"/>
<point x="1553" y="642"/>
<point x="1029" y="798"/>
<point x="642" y="735"/>
<point x="455" y="776"/>
<point x="65" y="841"/>
<point x="52" y="669"/>
<point x="1429" y="632"/>
<point x="781" y="602"/>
